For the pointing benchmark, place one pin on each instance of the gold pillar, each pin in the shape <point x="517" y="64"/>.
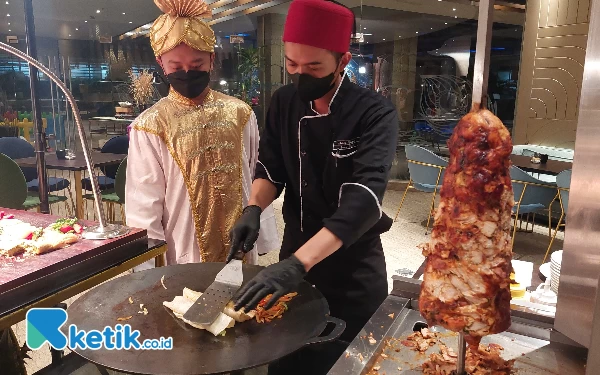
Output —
<point x="551" y="72"/>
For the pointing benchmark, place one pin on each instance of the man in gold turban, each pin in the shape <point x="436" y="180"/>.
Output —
<point x="193" y="154"/>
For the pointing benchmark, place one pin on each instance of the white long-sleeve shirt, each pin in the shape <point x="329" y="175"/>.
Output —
<point x="157" y="199"/>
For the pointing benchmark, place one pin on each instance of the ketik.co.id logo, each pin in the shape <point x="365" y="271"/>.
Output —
<point x="44" y="325"/>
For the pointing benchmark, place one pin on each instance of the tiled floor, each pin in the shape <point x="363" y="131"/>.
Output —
<point x="399" y="244"/>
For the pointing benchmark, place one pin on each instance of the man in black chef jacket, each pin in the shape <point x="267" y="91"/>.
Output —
<point x="330" y="144"/>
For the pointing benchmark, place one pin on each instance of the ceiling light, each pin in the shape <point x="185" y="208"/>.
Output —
<point x="455" y="16"/>
<point x="454" y="9"/>
<point x="130" y="21"/>
<point x="383" y="38"/>
<point x="364" y="28"/>
<point x="9" y="30"/>
<point x="98" y="11"/>
<point x="445" y="23"/>
<point x="7" y="3"/>
<point x="399" y="36"/>
<point x="9" y="24"/>
<point x="223" y="82"/>
<point x="123" y="13"/>
<point x="416" y="32"/>
<point x="85" y="21"/>
<point x="7" y="15"/>
<point x="432" y="28"/>
<point x="76" y="29"/>
<point x="69" y="34"/>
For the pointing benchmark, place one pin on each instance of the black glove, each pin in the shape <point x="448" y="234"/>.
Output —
<point x="278" y="279"/>
<point x="245" y="231"/>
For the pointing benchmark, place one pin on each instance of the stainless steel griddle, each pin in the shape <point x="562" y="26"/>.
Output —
<point x="535" y="346"/>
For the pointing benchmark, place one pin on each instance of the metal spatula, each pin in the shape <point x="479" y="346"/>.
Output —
<point x="212" y="302"/>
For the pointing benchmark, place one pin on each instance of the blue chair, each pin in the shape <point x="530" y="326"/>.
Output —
<point x="115" y="145"/>
<point x="563" y="182"/>
<point x="531" y="196"/>
<point x="17" y="148"/>
<point x="426" y="174"/>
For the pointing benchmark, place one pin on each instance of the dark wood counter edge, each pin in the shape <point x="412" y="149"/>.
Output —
<point x="52" y="282"/>
<point x="65" y="263"/>
<point x="118" y="260"/>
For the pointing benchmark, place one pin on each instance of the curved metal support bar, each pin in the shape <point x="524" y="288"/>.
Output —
<point x="102" y="231"/>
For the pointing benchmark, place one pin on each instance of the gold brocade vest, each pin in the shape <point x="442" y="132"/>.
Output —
<point x="206" y="143"/>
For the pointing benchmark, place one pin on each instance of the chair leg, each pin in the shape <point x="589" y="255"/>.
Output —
<point x="553" y="237"/>
<point x="403" y="198"/>
<point x="113" y="216"/>
<point x="123" y="214"/>
<point x="72" y="208"/>
<point x="517" y="216"/>
<point x="433" y="201"/>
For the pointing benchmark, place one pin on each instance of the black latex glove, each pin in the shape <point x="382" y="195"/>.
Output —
<point x="278" y="279"/>
<point x="245" y="231"/>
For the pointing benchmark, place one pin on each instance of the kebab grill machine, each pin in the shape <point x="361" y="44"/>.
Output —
<point x="563" y="342"/>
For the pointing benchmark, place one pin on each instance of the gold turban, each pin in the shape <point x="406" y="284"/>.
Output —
<point x="182" y="23"/>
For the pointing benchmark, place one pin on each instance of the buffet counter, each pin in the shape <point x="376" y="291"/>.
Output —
<point x="48" y="279"/>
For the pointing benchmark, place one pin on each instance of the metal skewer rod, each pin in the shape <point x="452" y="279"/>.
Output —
<point x="462" y="353"/>
<point x="482" y="54"/>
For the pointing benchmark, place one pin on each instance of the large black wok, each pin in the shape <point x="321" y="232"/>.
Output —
<point x="247" y="345"/>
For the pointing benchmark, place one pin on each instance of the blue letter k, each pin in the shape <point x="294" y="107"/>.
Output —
<point x="43" y="325"/>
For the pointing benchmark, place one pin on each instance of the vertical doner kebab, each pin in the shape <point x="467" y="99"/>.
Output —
<point x="466" y="286"/>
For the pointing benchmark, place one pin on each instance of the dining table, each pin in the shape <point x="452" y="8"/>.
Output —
<point x="76" y="165"/>
<point x="551" y="167"/>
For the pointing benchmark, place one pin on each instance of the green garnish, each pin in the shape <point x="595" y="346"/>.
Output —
<point x="222" y="333"/>
<point x="37" y="234"/>
<point x="62" y="222"/>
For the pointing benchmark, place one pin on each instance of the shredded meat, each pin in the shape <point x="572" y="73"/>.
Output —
<point x="487" y="361"/>
<point x="482" y="361"/>
<point x="421" y="340"/>
<point x="466" y="284"/>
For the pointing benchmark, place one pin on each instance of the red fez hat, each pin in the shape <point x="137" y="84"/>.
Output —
<point x="319" y="23"/>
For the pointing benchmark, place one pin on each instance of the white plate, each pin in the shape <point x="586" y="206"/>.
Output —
<point x="545" y="270"/>
<point x="557" y="256"/>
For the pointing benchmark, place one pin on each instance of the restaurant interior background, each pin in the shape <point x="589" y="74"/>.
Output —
<point x="419" y="55"/>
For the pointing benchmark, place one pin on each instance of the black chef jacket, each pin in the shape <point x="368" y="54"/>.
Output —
<point x="333" y="167"/>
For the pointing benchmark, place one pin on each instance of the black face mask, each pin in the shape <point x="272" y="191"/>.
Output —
<point x="311" y="88"/>
<point x="189" y="84"/>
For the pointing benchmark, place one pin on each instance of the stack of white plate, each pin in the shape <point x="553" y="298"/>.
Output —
<point x="555" y="263"/>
